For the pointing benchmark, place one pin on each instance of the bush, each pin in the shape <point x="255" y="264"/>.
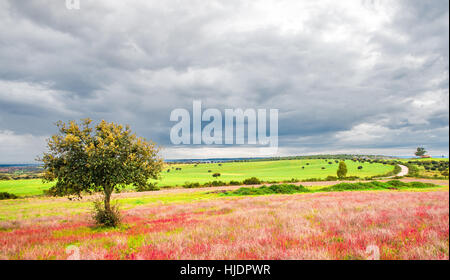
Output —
<point x="252" y="181"/>
<point x="191" y="185"/>
<point x="104" y="217"/>
<point x="274" y="189"/>
<point x="359" y="186"/>
<point x="214" y="184"/>
<point x="6" y="195"/>
<point x="4" y="177"/>
<point x="234" y="183"/>
<point x="215" y="175"/>
<point x="148" y="187"/>
<point x="360" y="167"/>
<point x="331" y="178"/>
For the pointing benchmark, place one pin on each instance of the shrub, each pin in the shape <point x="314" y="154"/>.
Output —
<point x="148" y="187"/>
<point x="215" y="175"/>
<point x="104" y="217"/>
<point x="235" y="183"/>
<point x="360" y="167"/>
<point x="4" y="177"/>
<point x="6" y="195"/>
<point x="252" y="181"/>
<point x="215" y="184"/>
<point x="292" y="180"/>
<point x="274" y="189"/>
<point x="209" y="171"/>
<point x="331" y="178"/>
<point x="191" y="185"/>
<point x="323" y="167"/>
<point x="359" y="186"/>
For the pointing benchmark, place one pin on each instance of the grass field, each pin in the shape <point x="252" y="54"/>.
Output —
<point x="267" y="171"/>
<point x="200" y="224"/>
<point x="238" y="171"/>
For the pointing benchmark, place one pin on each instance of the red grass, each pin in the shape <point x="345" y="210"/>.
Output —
<point x="404" y="225"/>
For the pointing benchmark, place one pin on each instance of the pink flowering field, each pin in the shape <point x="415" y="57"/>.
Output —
<point x="337" y="225"/>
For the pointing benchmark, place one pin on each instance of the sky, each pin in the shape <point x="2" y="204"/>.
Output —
<point x="367" y="77"/>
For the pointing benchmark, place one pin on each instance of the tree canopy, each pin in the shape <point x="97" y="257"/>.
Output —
<point x="420" y="151"/>
<point x="342" y="170"/>
<point x="82" y="158"/>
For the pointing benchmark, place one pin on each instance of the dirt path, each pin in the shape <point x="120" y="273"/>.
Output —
<point x="403" y="172"/>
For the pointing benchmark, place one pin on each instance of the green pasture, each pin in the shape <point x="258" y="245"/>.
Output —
<point x="266" y="170"/>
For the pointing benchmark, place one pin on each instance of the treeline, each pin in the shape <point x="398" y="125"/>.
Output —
<point x="324" y="156"/>
<point x="6" y="176"/>
<point x="18" y="172"/>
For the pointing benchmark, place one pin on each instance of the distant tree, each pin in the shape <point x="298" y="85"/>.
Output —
<point x="83" y="159"/>
<point x="420" y="151"/>
<point x="215" y="175"/>
<point x="342" y="170"/>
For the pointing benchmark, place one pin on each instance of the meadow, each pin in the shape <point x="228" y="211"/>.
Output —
<point x="205" y="224"/>
<point x="271" y="171"/>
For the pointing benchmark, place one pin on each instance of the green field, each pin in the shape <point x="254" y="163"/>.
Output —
<point x="238" y="171"/>
<point x="24" y="187"/>
<point x="266" y="170"/>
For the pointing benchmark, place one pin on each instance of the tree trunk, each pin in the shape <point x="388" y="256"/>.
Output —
<point x="108" y="191"/>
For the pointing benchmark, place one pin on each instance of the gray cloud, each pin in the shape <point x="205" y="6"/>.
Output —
<point x="352" y="76"/>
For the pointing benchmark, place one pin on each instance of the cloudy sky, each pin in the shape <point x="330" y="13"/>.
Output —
<point x="346" y="76"/>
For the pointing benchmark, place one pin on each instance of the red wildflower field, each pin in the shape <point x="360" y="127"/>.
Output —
<point x="341" y="225"/>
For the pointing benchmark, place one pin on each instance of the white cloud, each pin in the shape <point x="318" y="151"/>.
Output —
<point x="20" y="148"/>
<point x="363" y="133"/>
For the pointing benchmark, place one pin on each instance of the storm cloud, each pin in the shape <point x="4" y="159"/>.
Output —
<point x="346" y="76"/>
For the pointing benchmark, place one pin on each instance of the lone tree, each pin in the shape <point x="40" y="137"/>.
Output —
<point x="342" y="170"/>
<point x="420" y="151"/>
<point x="83" y="159"/>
